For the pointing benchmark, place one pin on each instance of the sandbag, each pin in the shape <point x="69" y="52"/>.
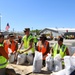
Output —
<point x="57" y="57"/>
<point x="49" y="62"/>
<point x="72" y="50"/>
<point x="69" y="64"/>
<point x="30" y="58"/>
<point x="21" y="59"/>
<point x="9" y="50"/>
<point x="73" y="61"/>
<point x="57" y="63"/>
<point x="67" y="61"/>
<point x="37" y="63"/>
<point x="11" y="58"/>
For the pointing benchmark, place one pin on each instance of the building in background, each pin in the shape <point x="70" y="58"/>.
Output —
<point x="55" y="32"/>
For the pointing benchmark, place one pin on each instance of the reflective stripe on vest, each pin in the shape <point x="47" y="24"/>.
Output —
<point x="26" y="42"/>
<point x="62" y="50"/>
<point x="35" y="39"/>
<point x="3" y="63"/>
<point x="1" y="45"/>
<point x="3" y="60"/>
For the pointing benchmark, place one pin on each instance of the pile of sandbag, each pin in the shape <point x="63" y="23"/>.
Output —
<point x="54" y="64"/>
<point x="22" y="57"/>
<point x="69" y="62"/>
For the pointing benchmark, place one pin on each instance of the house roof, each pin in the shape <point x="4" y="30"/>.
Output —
<point x="48" y="30"/>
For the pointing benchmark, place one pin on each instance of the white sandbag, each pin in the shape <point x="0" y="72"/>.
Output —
<point x="9" y="50"/>
<point x="57" y="57"/>
<point x="72" y="59"/>
<point x="37" y="63"/>
<point x="67" y="61"/>
<point x="30" y="58"/>
<point x="57" y="63"/>
<point x="49" y="62"/>
<point x="21" y="58"/>
<point x="68" y="64"/>
<point x="11" y="58"/>
<point x="68" y="71"/>
<point x="72" y="50"/>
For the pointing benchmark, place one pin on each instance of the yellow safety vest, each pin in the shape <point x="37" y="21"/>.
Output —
<point x="3" y="60"/>
<point x="35" y="39"/>
<point x="26" y="42"/>
<point x="62" y="50"/>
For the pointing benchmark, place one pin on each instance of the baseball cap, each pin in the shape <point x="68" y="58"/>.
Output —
<point x="26" y="29"/>
<point x="11" y="35"/>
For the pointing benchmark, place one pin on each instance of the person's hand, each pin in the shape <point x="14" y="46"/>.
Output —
<point x="14" y="52"/>
<point x="11" y="53"/>
<point x="44" y="56"/>
<point x="20" y="51"/>
<point x="62" y="58"/>
<point x="73" y="54"/>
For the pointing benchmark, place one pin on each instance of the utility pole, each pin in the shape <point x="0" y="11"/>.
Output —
<point x="13" y="30"/>
<point x="0" y="22"/>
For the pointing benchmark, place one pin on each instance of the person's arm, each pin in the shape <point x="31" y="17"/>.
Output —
<point x="73" y="54"/>
<point x="3" y="52"/>
<point x="21" y="45"/>
<point x="36" y="47"/>
<point x="51" y="51"/>
<point x="16" y="47"/>
<point x="67" y="51"/>
<point x="47" y="49"/>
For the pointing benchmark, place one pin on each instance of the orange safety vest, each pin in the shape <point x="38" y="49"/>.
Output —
<point x="12" y="45"/>
<point x="44" y="49"/>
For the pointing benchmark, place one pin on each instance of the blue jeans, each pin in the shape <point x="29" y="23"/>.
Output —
<point x="2" y="71"/>
<point x="73" y="73"/>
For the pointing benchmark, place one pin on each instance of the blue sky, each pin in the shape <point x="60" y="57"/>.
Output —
<point x="37" y="14"/>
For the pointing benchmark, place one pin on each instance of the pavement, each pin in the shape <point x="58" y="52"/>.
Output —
<point x="27" y="69"/>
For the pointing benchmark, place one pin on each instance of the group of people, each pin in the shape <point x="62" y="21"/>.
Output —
<point x="9" y="47"/>
<point x="27" y="42"/>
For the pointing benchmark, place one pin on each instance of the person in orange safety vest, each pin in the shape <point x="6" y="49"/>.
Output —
<point x="11" y="44"/>
<point x="43" y="46"/>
